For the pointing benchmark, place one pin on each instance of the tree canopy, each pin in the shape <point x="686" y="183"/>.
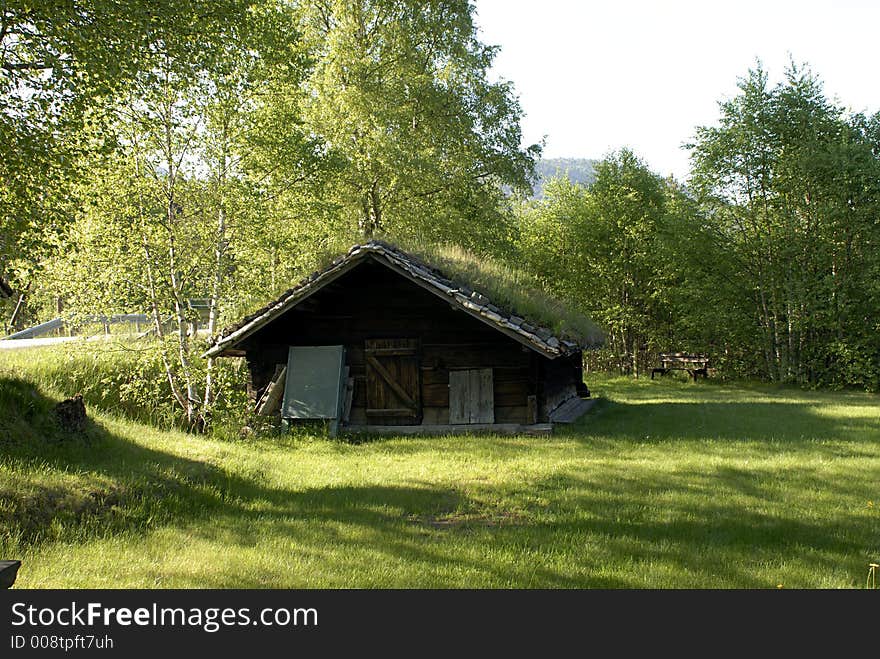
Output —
<point x="152" y="154"/>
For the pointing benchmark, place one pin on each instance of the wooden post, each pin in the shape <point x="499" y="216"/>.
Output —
<point x="11" y="326"/>
<point x="8" y="572"/>
<point x="59" y="307"/>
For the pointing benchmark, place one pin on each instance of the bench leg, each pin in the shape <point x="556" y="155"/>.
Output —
<point x="697" y="372"/>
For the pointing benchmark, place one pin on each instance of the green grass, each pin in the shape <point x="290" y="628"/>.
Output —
<point x="665" y="484"/>
<point x="124" y="377"/>
<point x="512" y="289"/>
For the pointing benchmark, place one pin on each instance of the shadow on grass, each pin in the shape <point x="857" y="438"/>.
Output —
<point x="721" y="526"/>
<point x="713" y="530"/>
<point x="368" y="535"/>
<point x="353" y="537"/>
<point x="121" y="487"/>
<point x="66" y="484"/>
<point x="776" y="423"/>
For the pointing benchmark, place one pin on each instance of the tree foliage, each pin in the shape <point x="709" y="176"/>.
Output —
<point x="152" y="154"/>
<point x="791" y="186"/>
<point x="604" y="249"/>
<point x="767" y="259"/>
<point x="421" y="140"/>
<point x="62" y="63"/>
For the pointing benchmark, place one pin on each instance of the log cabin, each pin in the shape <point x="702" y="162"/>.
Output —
<point x="419" y="351"/>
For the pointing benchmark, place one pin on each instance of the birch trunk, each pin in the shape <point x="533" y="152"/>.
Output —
<point x="219" y="264"/>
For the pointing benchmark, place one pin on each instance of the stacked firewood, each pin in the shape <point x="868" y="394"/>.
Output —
<point x="269" y="402"/>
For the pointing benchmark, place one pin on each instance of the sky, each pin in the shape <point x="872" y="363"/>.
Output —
<point x="597" y="76"/>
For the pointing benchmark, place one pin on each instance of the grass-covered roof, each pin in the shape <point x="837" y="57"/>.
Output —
<point x="494" y="293"/>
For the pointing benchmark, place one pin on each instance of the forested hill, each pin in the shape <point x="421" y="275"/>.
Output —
<point x="579" y="170"/>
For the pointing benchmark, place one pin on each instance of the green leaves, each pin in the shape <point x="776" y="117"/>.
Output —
<point x="423" y="141"/>
<point x="603" y="249"/>
<point x="63" y="65"/>
<point x="791" y="184"/>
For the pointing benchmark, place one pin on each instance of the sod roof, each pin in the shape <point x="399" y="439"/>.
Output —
<point x="571" y="333"/>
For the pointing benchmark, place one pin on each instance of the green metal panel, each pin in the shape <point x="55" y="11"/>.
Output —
<point x="313" y="389"/>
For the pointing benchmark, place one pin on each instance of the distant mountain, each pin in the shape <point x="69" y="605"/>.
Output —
<point x="578" y="170"/>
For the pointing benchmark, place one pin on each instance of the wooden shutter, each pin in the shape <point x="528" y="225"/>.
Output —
<point x="471" y="396"/>
<point x="393" y="386"/>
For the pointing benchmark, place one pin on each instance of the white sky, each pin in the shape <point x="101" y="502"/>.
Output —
<point x="597" y="76"/>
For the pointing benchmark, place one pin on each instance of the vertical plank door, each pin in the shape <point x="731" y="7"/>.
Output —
<point x="393" y="384"/>
<point x="471" y="396"/>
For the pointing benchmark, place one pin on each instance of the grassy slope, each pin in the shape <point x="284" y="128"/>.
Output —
<point x="664" y="485"/>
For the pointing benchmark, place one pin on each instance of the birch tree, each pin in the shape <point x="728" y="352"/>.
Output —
<point x="791" y="184"/>
<point x="422" y="140"/>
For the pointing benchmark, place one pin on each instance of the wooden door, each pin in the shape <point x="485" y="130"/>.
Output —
<point x="393" y="386"/>
<point x="471" y="396"/>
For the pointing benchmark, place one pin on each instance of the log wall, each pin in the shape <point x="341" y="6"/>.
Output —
<point x="372" y="302"/>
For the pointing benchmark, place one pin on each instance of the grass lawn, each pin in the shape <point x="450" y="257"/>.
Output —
<point x="665" y="484"/>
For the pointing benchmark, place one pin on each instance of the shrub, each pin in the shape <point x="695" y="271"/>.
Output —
<point x="125" y="378"/>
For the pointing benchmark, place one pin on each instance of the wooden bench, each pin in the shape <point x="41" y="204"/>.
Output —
<point x="696" y="365"/>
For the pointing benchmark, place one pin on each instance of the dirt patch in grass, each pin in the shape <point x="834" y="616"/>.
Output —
<point x="456" y="520"/>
